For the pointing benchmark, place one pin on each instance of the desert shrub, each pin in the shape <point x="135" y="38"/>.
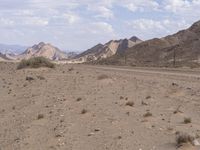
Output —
<point x="102" y="77"/>
<point x="84" y="111"/>
<point x="187" y="120"/>
<point x="79" y="99"/>
<point x="148" y="114"/>
<point x="182" y="138"/>
<point x="41" y="77"/>
<point x="29" y="78"/>
<point x="130" y="103"/>
<point x="71" y="69"/>
<point x="40" y="116"/>
<point x="35" y="62"/>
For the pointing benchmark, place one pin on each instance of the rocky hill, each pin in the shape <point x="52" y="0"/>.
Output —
<point x="180" y="49"/>
<point x="44" y="50"/>
<point x="107" y="50"/>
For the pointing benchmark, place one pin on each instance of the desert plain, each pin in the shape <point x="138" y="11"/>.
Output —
<point x="83" y="107"/>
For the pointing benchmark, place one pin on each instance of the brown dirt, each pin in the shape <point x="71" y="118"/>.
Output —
<point x="45" y="114"/>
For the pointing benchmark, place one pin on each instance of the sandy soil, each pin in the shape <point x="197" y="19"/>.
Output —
<point x="96" y="108"/>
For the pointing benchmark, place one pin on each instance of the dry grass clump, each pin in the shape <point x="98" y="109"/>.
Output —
<point x="78" y="99"/>
<point x="35" y="62"/>
<point x="148" y="114"/>
<point x="40" y="116"/>
<point x="29" y="78"/>
<point x="102" y="77"/>
<point x="41" y="77"/>
<point x="183" y="138"/>
<point x="130" y="103"/>
<point x="71" y="69"/>
<point x="84" y="111"/>
<point x="187" y="120"/>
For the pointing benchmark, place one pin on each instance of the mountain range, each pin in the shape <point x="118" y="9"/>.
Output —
<point x="100" y="51"/>
<point x="16" y="49"/>
<point x="179" y="49"/>
<point x="42" y="49"/>
<point x="46" y="50"/>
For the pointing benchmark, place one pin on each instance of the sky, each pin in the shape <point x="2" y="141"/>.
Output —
<point x="76" y="25"/>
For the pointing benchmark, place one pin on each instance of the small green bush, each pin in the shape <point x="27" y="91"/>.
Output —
<point x="35" y="62"/>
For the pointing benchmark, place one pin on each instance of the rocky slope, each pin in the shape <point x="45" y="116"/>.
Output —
<point x="101" y="51"/>
<point x="45" y="50"/>
<point x="180" y="49"/>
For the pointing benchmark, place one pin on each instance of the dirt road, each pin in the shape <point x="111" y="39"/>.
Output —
<point x="154" y="71"/>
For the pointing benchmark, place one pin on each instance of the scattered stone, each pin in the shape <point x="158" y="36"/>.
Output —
<point x="29" y="78"/>
<point x="148" y="97"/>
<point x="130" y="103"/>
<point x="84" y="111"/>
<point x="40" y="116"/>
<point x="144" y="103"/>
<point x="41" y="77"/>
<point x="90" y="134"/>
<point x="71" y="69"/>
<point x="174" y="84"/>
<point x="78" y="99"/>
<point x="148" y="114"/>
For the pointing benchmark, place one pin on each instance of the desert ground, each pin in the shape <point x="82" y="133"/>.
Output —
<point x="82" y="107"/>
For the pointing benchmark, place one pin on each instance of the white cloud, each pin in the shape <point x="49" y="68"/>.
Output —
<point x="71" y="17"/>
<point x="101" y="9"/>
<point x="92" y="21"/>
<point x="99" y="28"/>
<point x="34" y="21"/>
<point x="177" y="5"/>
<point x="104" y="12"/>
<point x="103" y="27"/>
<point x="146" y="24"/>
<point x="6" y="22"/>
<point x="148" y="28"/>
<point x="188" y="9"/>
<point x="140" y="5"/>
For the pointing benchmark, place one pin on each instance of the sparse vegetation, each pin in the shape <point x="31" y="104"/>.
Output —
<point x="182" y="138"/>
<point x="102" y="77"/>
<point x="78" y="99"/>
<point x="35" y="62"/>
<point x="121" y="97"/>
<point x="41" y="77"/>
<point x="71" y="69"/>
<point x="187" y="120"/>
<point x="178" y="110"/>
<point x="29" y="78"/>
<point x="148" y="97"/>
<point x="148" y="114"/>
<point x="130" y="103"/>
<point x="84" y="111"/>
<point x="40" y="116"/>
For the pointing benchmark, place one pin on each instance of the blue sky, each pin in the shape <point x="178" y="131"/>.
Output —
<point x="76" y="25"/>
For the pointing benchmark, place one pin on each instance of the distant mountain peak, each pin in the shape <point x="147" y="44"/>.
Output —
<point x="135" y="39"/>
<point x="109" y="49"/>
<point x="5" y="48"/>
<point x="45" y="50"/>
<point x="179" y="49"/>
